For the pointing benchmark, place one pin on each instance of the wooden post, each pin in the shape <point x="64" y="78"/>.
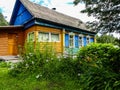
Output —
<point x="63" y="40"/>
<point x="95" y="39"/>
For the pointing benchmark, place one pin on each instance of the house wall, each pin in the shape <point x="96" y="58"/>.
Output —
<point x="63" y="45"/>
<point x="76" y="44"/>
<point x="11" y="41"/>
<point x="57" y="46"/>
<point x="22" y="16"/>
<point x="3" y="43"/>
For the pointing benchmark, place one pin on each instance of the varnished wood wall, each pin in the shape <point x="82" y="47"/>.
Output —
<point x="57" y="46"/>
<point x="21" y="37"/>
<point x="4" y="41"/>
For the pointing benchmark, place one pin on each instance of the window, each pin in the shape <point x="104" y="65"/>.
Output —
<point x="30" y="36"/>
<point x="54" y="37"/>
<point x="48" y="37"/>
<point x="43" y="36"/>
<point x="71" y="41"/>
<point x="88" y="40"/>
<point x="80" y="41"/>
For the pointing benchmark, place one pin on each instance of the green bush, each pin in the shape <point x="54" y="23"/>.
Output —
<point x="5" y="64"/>
<point x="60" y="69"/>
<point x="99" y="65"/>
<point x="34" y="60"/>
<point x="44" y="64"/>
<point x="95" y="68"/>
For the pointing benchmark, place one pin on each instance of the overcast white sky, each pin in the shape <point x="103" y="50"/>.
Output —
<point x="63" y="6"/>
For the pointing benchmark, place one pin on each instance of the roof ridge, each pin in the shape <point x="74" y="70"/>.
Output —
<point x="42" y="12"/>
<point x="55" y="11"/>
<point x="49" y="9"/>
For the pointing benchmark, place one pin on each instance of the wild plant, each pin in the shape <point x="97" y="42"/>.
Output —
<point x="99" y="65"/>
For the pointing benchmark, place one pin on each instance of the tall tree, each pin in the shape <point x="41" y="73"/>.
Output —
<point x="108" y="39"/>
<point x="2" y="20"/>
<point x="105" y="39"/>
<point x="107" y="13"/>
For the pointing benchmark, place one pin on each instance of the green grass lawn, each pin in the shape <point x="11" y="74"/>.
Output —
<point x="12" y="83"/>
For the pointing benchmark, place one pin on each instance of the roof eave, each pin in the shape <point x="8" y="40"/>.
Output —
<point x="62" y="25"/>
<point x="11" y="27"/>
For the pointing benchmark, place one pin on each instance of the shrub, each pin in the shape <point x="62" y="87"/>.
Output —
<point x="99" y="67"/>
<point x="33" y="59"/>
<point x="44" y="64"/>
<point x="96" y="66"/>
<point x="60" y="69"/>
<point x="4" y="64"/>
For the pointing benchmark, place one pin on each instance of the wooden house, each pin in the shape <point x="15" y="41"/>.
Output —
<point x="33" y="22"/>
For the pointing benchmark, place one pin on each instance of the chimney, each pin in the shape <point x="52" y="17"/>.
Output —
<point x="53" y="8"/>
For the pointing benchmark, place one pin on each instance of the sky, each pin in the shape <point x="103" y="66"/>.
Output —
<point x="64" y="6"/>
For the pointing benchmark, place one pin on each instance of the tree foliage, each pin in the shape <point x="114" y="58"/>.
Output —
<point x="108" y="39"/>
<point x="105" y="39"/>
<point x="107" y="13"/>
<point x="118" y="42"/>
<point x="3" y="22"/>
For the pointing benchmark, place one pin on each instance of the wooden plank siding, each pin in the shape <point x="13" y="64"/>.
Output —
<point x="10" y="41"/>
<point x="58" y="46"/>
<point x="3" y="43"/>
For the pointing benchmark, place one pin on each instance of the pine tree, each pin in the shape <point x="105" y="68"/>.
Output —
<point x="3" y="22"/>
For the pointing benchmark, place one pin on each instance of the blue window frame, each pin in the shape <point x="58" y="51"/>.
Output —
<point x="66" y="40"/>
<point x="76" y="41"/>
<point x="91" y="39"/>
<point x="85" y="41"/>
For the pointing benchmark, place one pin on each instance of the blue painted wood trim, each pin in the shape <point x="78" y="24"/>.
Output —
<point x="76" y="41"/>
<point x="91" y="39"/>
<point x="85" y="40"/>
<point x="15" y="11"/>
<point x="35" y="22"/>
<point x="66" y="40"/>
<point x="29" y="24"/>
<point x="22" y="16"/>
<point x="53" y="25"/>
<point x="20" y="12"/>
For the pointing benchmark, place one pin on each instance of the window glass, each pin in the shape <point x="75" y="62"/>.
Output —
<point x="43" y="36"/>
<point x="71" y="44"/>
<point x="88" y="40"/>
<point x="80" y="41"/>
<point x="54" y="37"/>
<point x="31" y="36"/>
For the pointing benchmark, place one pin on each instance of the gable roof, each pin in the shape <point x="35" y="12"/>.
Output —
<point x="47" y="14"/>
